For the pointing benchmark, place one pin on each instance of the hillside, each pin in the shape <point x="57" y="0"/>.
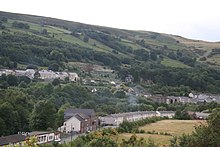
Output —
<point x="150" y="57"/>
<point x="120" y="43"/>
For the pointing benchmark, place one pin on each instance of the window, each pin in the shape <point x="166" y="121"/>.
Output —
<point x="50" y="138"/>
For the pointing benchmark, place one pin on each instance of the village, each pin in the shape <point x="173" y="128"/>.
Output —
<point x="81" y="121"/>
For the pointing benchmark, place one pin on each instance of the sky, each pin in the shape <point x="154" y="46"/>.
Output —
<point x="194" y="19"/>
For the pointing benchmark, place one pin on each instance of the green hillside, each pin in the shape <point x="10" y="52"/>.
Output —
<point x="149" y="57"/>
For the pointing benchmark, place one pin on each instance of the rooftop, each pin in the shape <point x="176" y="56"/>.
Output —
<point x="11" y="139"/>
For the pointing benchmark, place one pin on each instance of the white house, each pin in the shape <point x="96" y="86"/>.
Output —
<point x="47" y="74"/>
<point x="45" y="137"/>
<point x="117" y="119"/>
<point x="20" y="73"/>
<point x="73" y="77"/>
<point x="72" y="124"/>
<point x="79" y="120"/>
<point x="62" y="75"/>
<point x="30" y="73"/>
<point x="169" y="114"/>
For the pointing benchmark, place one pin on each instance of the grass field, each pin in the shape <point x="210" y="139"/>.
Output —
<point x="173" y="127"/>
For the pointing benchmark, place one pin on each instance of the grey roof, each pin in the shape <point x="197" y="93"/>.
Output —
<point x="132" y="113"/>
<point x="80" y="117"/>
<point x="167" y="112"/>
<point x="12" y="139"/>
<point x="201" y="114"/>
<point x="38" y="133"/>
<point x="83" y="112"/>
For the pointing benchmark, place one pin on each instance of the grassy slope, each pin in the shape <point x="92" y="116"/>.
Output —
<point x="174" y="127"/>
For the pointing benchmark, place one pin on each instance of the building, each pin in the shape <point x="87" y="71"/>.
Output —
<point x="47" y="74"/>
<point x="45" y="137"/>
<point x="198" y="115"/>
<point x="79" y="121"/>
<point x="117" y="119"/>
<point x="30" y="73"/>
<point x="22" y="138"/>
<point x="12" y="140"/>
<point x="169" y="114"/>
<point x="159" y="99"/>
<point x="73" y="77"/>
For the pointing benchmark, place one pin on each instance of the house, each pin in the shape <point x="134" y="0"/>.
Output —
<point x="9" y="72"/>
<point x="47" y="74"/>
<point x="117" y="119"/>
<point x="79" y="121"/>
<point x="20" y="73"/>
<point x="169" y="114"/>
<point x="73" y="77"/>
<point x="11" y="140"/>
<point x="198" y="115"/>
<point x="159" y="99"/>
<point x="30" y="73"/>
<point x="44" y="137"/>
<point x="62" y="75"/>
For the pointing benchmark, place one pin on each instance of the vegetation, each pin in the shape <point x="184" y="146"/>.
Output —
<point x="204" y="135"/>
<point x="129" y="127"/>
<point x="161" y="64"/>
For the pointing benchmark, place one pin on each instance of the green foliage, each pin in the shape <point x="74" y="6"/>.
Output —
<point x="56" y="82"/>
<point x="130" y="127"/>
<point x="54" y="67"/>
<point x="12" y="80"/>
<point x="104" y="138"/>
<point x="182" y="115"/>
<point x="120" y="94"/>
<point x="161" y="108"/>
<point x="43" y="116"/>
<point x="204" y="135"/>
<point x="15" y="107"/>
<point x="20" y="25"/>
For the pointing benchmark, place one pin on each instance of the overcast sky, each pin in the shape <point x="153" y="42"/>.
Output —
<point x="196" y="19"/>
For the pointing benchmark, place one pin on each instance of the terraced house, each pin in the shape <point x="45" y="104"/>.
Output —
<point x="79" y="121"/>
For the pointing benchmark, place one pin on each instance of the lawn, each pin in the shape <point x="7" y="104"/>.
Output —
<point x="173" y="127"/>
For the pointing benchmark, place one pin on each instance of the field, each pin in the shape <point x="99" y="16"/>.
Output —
<point x="173" y="127"/>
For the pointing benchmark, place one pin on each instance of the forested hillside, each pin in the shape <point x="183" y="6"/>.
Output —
<point x="149" y="57"/>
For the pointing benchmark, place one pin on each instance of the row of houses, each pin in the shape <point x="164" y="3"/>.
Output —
<point x="21" y="139"/>
<point x="41" y="74"/>
<point x="192" y="98"/>
<point x="117" y="119"/>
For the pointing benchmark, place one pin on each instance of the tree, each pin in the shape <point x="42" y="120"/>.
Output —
<point x="86" y="39"/>
<point x="161" y="108"/>
<point x="204" y="135"/>
<point x="56" y="82"/>
<point x="4" y="19"/>
<point x="54" y="67"/>
<point x="3" y="127"/>
<point x="12" y="80"/>
<point x="8" y="119"/>
<point x="43" y="116"/>
<point x="145" y="107"/>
